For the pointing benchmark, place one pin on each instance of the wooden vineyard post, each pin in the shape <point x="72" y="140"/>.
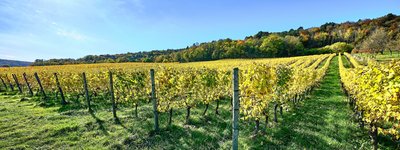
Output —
<point x="9" y="82"/>
<point x="235" y="99"/>
<point x="114" y="106"/>
<point x="85" y="86"/>
<point x="4" y="83"/>
<point x="275" y="112"/>
<point x="27" y="84"/>
<point x="153" y="98"/>
<point x="40" y="84"/>
<point x="373" y="133"/>
<point x="17" y="83"/>
<point x="63" y="102"/>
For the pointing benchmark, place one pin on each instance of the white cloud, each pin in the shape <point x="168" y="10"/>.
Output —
<point x="7" y="56"/>
<point x="72" y="35"/>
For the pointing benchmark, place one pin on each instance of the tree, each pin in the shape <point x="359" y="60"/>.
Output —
<point x="293" y="45"/>
<point x="320" y="38"/>
<point x="394" y="45"/>
<point x="272" y="44"/>
<point x="339" y="47"/>
<point x="376" y="42"/>
<point x="109" y="60"/>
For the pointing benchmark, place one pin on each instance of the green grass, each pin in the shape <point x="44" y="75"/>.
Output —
<point x="27" y="124"/>
<point x="346" y="62"/>
<point x="322" y="121"/>
<point x="385" y="57"/>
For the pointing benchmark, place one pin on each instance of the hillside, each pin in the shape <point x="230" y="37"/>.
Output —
<point x="12" y="63"/>
<point x="294" y="42"/>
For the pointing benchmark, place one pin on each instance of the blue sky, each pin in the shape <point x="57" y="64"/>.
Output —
<point x="43" y="29"/>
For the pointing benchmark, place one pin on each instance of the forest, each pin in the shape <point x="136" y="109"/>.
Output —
<point x="359" y="36"/>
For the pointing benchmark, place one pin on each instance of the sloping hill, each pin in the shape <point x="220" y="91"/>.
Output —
<point x="12" y="63"/>
<point x="294" y="42"/>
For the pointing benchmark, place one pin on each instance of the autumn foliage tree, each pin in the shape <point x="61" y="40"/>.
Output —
<point x="376" y="42"/>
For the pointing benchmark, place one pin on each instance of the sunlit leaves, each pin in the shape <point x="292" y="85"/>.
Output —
<point x="375" y="89"/>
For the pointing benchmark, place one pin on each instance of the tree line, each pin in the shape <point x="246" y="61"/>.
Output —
<point x="330" y="37"/>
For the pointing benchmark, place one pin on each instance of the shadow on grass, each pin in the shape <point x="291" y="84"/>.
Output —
<point x="98" y="103"/>
<point x="203" y="132"/>
<point x="99" y="122"/>
<point x="173" y="137"/>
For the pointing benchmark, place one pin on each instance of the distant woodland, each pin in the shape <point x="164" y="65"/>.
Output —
<point x="368" y="36"/>
<point x="13" y="63"/>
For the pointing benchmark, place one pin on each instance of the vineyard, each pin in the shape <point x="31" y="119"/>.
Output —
<point x="265" y="88"/>
<point x="281" y="82"/>
<point x="374" y="92"/>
